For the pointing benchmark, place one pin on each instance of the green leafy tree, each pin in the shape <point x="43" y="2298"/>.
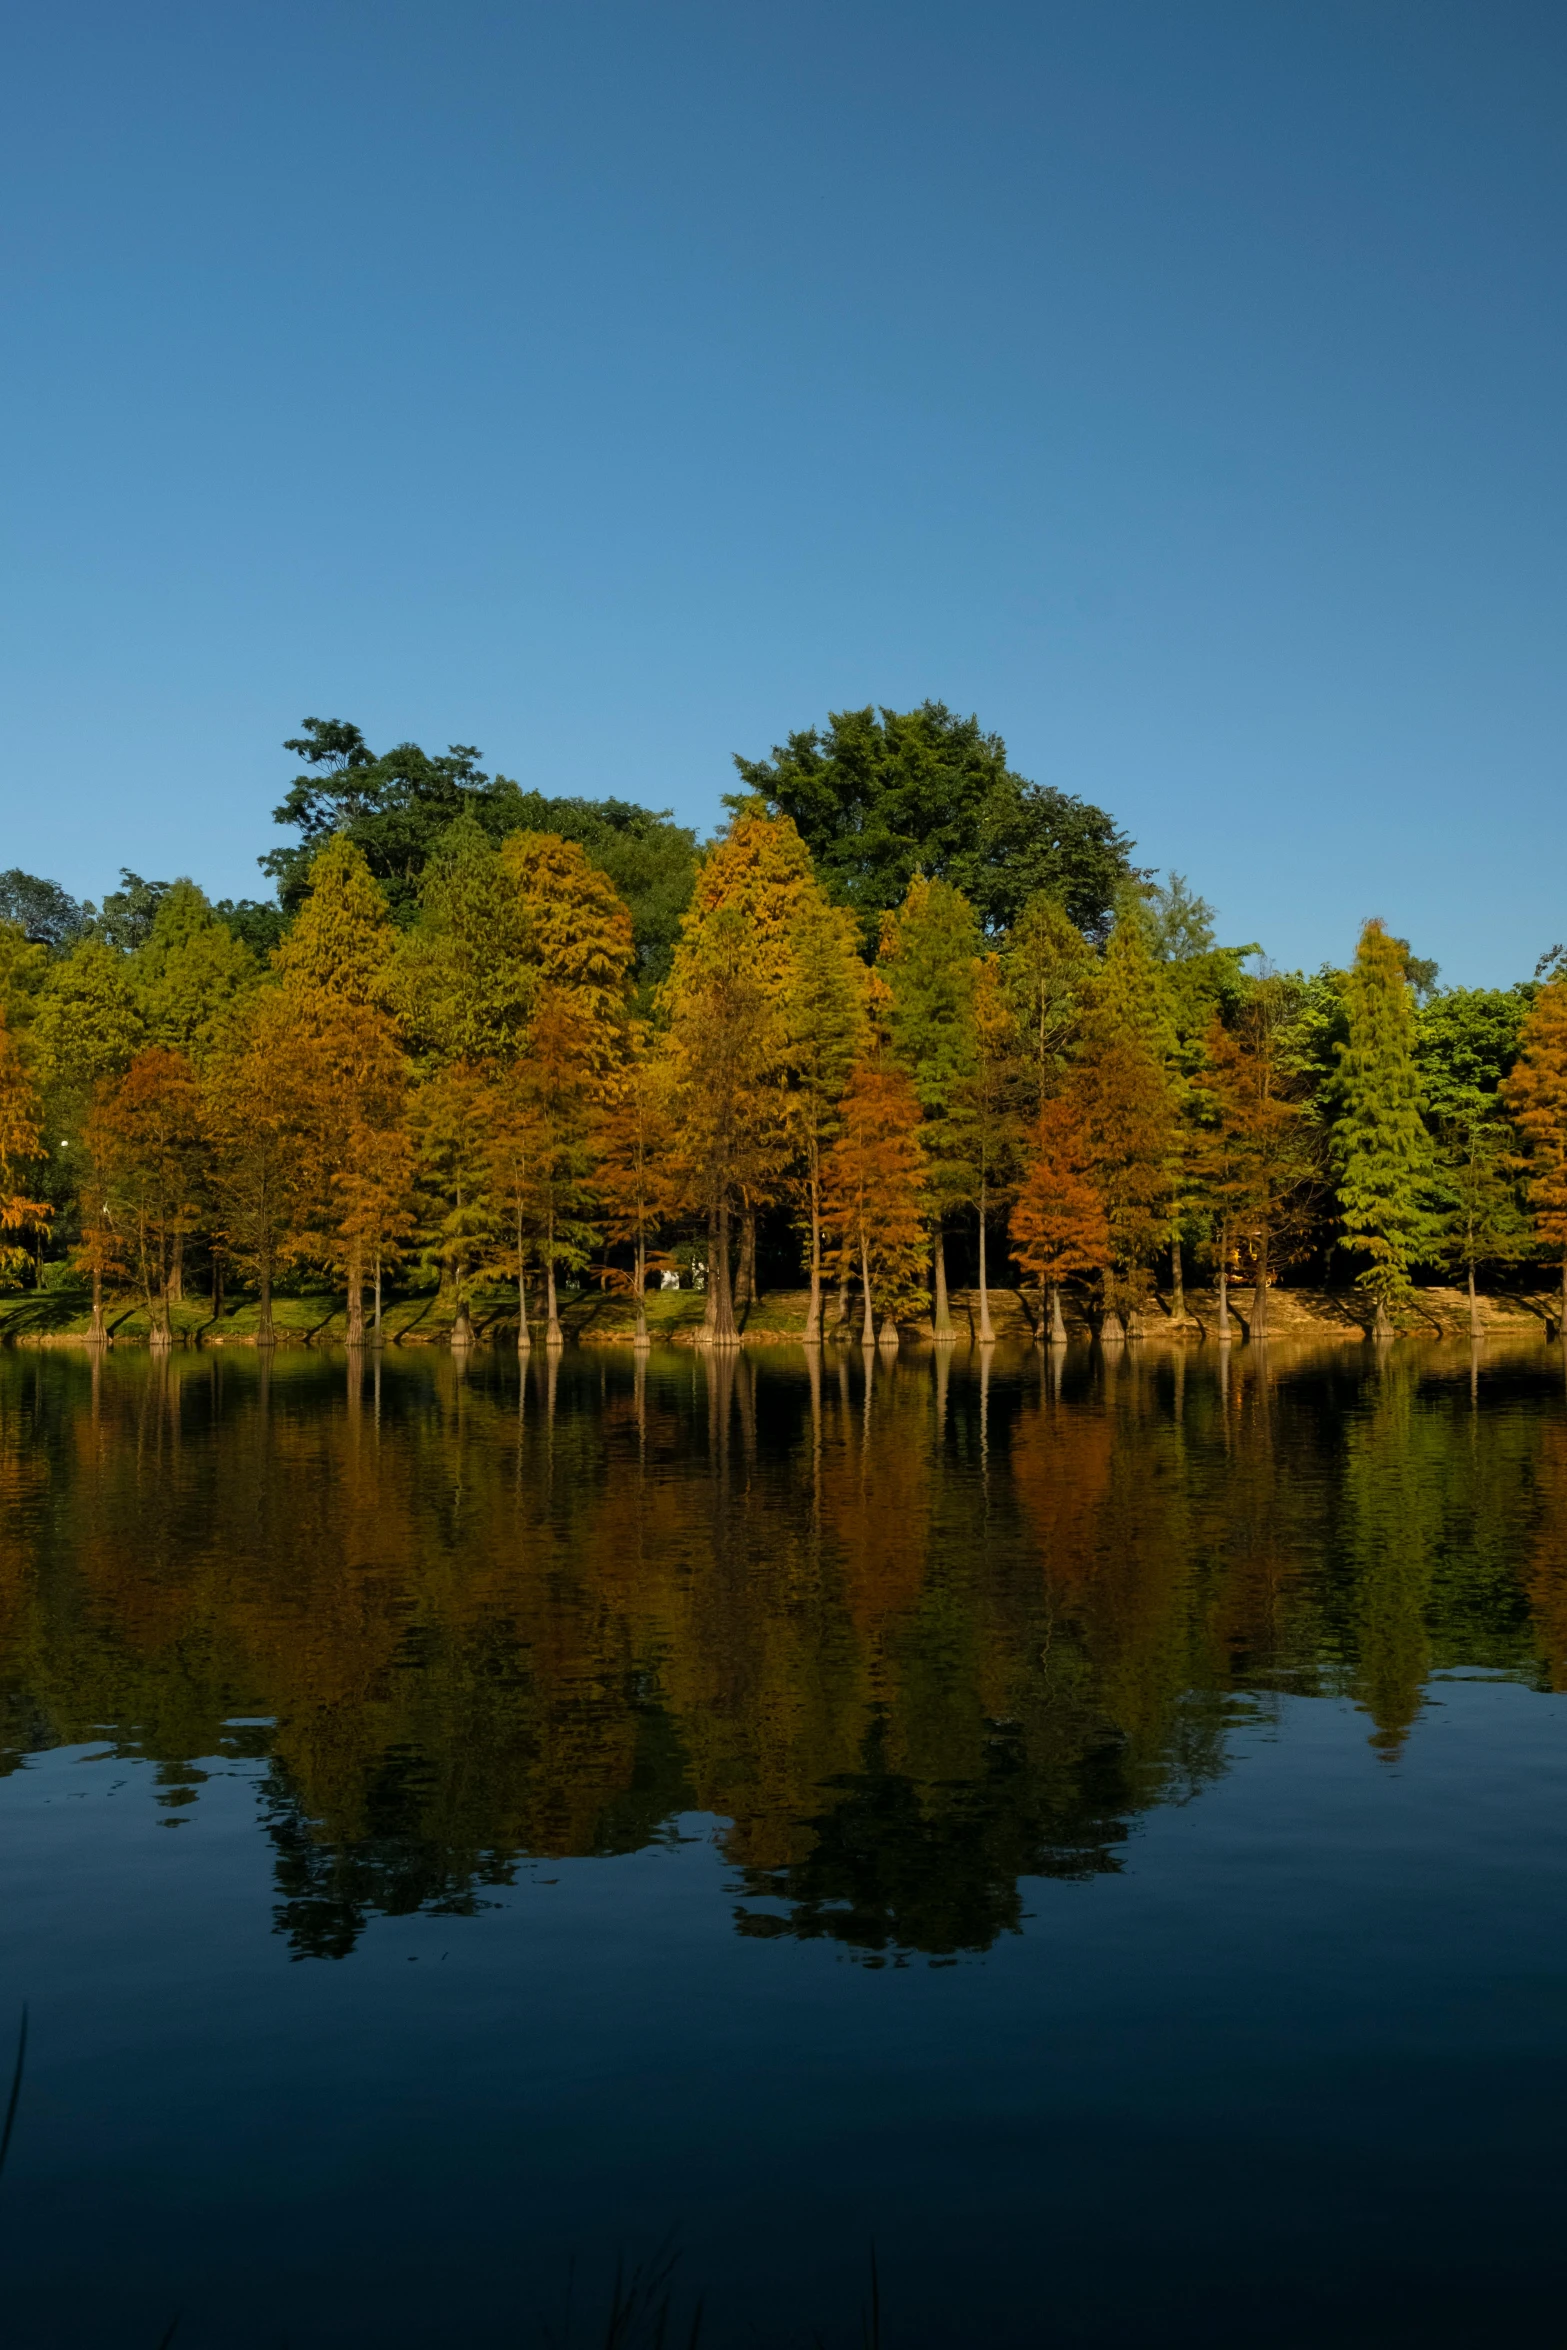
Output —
<point x="467" y="972"/>
<point x="188" y="971"/>
<point x="881" y="796"/>
<point x="42" y="911"/>
<point x="397" y="807"/>
<point x="1048" y="973"/>
<point x="1382" y="1148"/>
<point x="1466" y="1044"/>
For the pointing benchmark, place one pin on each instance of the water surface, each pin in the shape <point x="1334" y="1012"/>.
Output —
<point x="1096" y="1830"/>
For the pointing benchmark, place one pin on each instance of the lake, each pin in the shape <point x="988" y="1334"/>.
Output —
<point x="1092" y="1830"/>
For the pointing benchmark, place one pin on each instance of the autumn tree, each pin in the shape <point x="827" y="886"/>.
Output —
<point x="1536" y="1094"/>
<point x="759" y="872"/>
<point x="1256" y="1154"/>
<point x="1058" y="1225"/>
<point x="824" y="1014"/>
<point x="987" y="1113"/>
<point x="629" y="1149"/>
<point x="1123" y="1098"/>
<point x="724" y="1049"/>
<point x="873" y="1193"/>
<point x="1380" y="1141"/>
<point x="21" y="1147"/>
<point x="929" y="959"/>
<point x="453" y="1117"/>
<point x="255" y="1118"/>
<point x="348" y="1069"/>
<point x="148" y="1148"/>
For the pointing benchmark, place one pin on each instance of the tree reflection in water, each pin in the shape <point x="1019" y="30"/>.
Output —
<point x="912" y="1633"/>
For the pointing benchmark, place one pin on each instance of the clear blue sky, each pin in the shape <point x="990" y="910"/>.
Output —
<point x="616" y="386"/>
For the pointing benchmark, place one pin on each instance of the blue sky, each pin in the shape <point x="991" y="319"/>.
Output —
<point x="615" y="387"/>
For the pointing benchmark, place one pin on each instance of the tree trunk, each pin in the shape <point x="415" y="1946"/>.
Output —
<point x="868" y="1314"/>
<point x="97" y="1332"/>
<point x="641" y="1281"/>
<point x="1224" y="1286"/>
<point x="1259" y="1295"/>
<point x="941" y="1320"/>
<point x="813" y="1311"/>
<point x="745" y="1270"/>
<point x="176" y="1284"/>
<point x="889" y="1329"/>
<point x="1382" y="1328"/>
<point x="552" y="1336"/>
<point x="841" y="1314"/>
<point x="462" y="1324"/>
<point x="710" y="1300"/>
<point x="376" y="1327"/>
<point x="217" y="1283"/>
<point x="1057" y="1319"/>
<point x="1474" y="1303"/>
<point x="1177" y="1283"/>
<point x="724" y="1331"/>
<point x="986" y="1334"/>
<point x="356" y="1293"/>
<point x="265" y="1334"/>
<point x="1564" y="1299"/>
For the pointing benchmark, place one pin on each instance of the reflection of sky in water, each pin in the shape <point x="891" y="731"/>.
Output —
<point x="1146" y="1795"/>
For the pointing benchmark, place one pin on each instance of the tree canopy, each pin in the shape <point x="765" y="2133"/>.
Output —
<point x="881" y="796"/>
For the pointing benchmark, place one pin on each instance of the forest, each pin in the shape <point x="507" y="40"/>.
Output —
<point x="908" y="1017"/>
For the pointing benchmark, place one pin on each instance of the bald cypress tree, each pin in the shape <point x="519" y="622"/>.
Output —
<point x="1383" y="1150"/>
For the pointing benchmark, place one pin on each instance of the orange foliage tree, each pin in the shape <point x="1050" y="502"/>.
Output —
<point x="1255" y="1158"/>
<point x="1058" y="1224"/>
<point x="873" y="1194"/>
<point x="20" y="1145"/>
<point x="630" y="1141"/>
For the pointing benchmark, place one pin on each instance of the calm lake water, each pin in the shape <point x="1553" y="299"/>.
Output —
<point x="1097" y="1832"/>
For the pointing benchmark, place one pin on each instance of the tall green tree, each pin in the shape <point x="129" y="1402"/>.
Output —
<point x="187" y="972"/>
<point x="1466" y="1044"/>
<point x="882" y="795"/>
<point x="1382" y="1148"/>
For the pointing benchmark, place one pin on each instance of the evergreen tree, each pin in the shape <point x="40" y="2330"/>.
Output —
<point x="187" y="973"/>
<point x="467" y="974"/>
<point x="1380" y="1141"/>
<point x="1048" y="971"/>
<point x="1536" y="1094"/>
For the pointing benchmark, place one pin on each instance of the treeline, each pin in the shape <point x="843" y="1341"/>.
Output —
<point x="904" y="997"/>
